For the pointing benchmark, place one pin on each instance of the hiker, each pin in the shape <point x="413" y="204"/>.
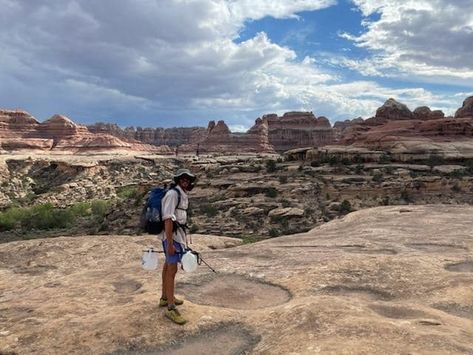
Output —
<point x="174" y="215"/>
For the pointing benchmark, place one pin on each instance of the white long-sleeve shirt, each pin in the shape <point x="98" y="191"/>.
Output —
<point x="175" y="212"/>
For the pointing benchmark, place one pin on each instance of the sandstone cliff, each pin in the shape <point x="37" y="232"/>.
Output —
<point x="298" y="129"/>
<point x="172" y="137"/>
<point x="394" y="123"/>
<point x="220" y="139"/>
<point x="19" y="130"/>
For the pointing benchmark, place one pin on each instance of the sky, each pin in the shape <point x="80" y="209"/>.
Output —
<point x="181" y="63"/>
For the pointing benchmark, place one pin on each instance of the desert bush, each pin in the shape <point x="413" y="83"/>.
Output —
<point x="434" y="159"/>
<point x="46" y="216"/>
<point x="358" y="159"/>
<point x="345" y="207"/>
<point x="81" y="209"/>
<point x="385" y="201"/>
<point x="127" y="192"/>
<point x="209" y="210"/>
<point x="385" y="158"/>
<point x="378" y="176"/>
<point x="274" y="232"/>
<point x="271" y="166"/>
<point x="359" y="168"/>
<point x="11" y="217"/>
<point x="271" y="192"/>
<point x="283" y="179"/>
<point x="406" y="196"/>
<point x="100" y="208"/>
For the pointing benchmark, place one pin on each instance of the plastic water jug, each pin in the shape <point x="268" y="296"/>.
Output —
<point x="189" y="262"/>
<point x="149" y="260"/>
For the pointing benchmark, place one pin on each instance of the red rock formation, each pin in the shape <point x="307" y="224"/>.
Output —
<point x="16" y="123"/>
<point x="424" y="113"/>
<point x="340" y="127"/>
<point x="393" y="110"/>
<point x="220" y="139"/>
<point x="19" y="130"/>
<point x="467" y="108"/>
<point x="298" y="129"/>
<point x="157" y="136"/>
<point x="394" y="124"/>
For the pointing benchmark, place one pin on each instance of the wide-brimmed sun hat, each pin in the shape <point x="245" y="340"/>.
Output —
<point x="184" y="172"/>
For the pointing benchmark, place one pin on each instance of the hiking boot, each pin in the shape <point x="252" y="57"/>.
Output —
<point x="174" y="315"/>
<point x="164" y="303"/>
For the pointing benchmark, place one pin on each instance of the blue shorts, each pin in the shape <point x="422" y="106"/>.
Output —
<point x="176" y="258"/>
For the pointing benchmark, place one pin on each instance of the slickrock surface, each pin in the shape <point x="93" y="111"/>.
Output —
<point x="382" y="280"/>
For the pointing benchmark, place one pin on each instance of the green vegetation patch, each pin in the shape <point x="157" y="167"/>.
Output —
<point x="46" y="216"/>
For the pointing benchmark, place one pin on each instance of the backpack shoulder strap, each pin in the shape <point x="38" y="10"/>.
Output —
<point x="178" y="197"/>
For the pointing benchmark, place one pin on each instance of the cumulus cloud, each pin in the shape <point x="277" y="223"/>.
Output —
<point x="425" y="38"/>
<point x="176" y="62"/>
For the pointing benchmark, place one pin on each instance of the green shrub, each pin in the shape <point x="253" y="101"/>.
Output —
<point x="271" y="166"/>
<point x="385" y="158"/>
<point x="456" y="187"/>
<point x="100" y="208"/>
<point x="12" y="217"/>
<point x="345" y="207"/>
<point x="81" y="209"/>
<point x="309" y="211"/>
<point x="209" y="210"/>
<point x="46" y="216"/>
<point x="434" y="159"/>
<point x="274" y="232"/>
<point x="378" y="176"/>
<point x="248" y="239"/>
<point x="283" y="179"/>
<point x="359" y="169"/>
<point x="358" y="159"/>
<point x="127" y="192"/>
<point x="406" y="196"/>
<point x="271" y="192"/>
<point x="285" y="203"/>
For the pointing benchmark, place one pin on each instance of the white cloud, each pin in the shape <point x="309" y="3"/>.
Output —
<point x="178" y="60"/>
<point x="425" y="38"/>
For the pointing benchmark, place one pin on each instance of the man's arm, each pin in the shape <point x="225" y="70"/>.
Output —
<point x="168" y="230"/>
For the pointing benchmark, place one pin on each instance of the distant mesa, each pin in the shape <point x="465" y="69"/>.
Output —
<point x="393" y="125"/>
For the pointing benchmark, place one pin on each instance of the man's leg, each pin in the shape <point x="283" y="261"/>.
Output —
<point x="171" y="271"/>
<point x="163" y="277"/>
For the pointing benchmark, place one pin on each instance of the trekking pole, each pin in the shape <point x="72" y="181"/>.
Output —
<point x="210" y="267"/>
<point x="200" y="260"/>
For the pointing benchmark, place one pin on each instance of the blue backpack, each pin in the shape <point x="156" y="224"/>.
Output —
<point x="152" y="216"/>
